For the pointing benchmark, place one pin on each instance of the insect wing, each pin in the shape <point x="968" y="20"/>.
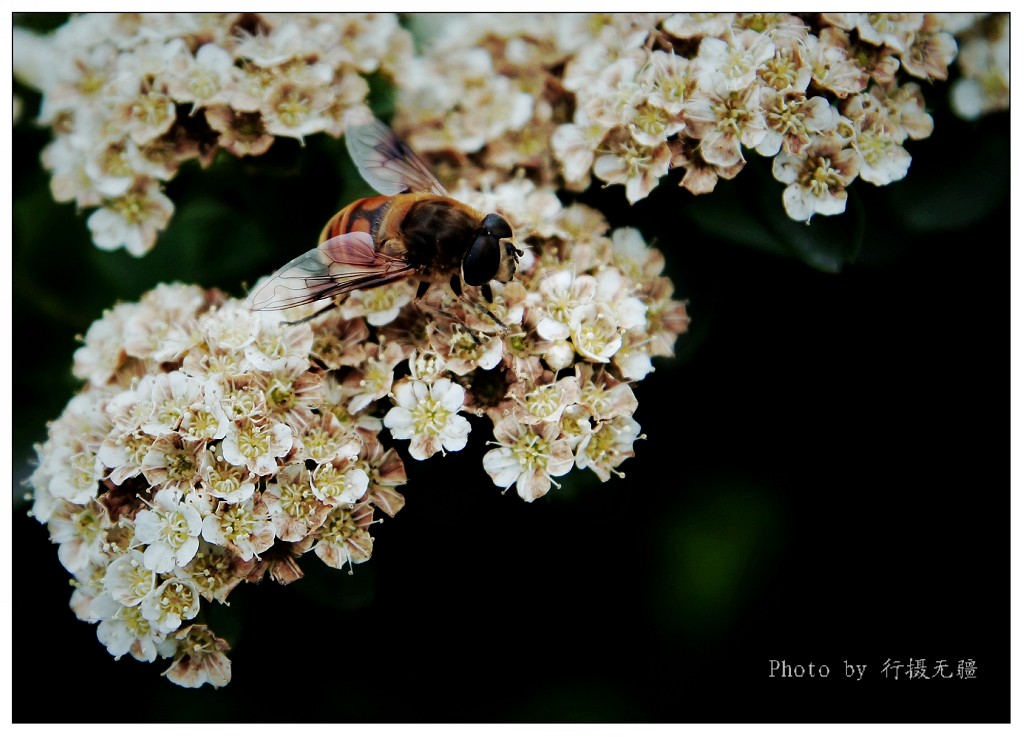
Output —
<point x="387" y="163"/>
<point x="337" y="266"/>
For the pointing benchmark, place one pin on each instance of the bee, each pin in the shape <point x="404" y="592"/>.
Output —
<point x="412" y="229"/>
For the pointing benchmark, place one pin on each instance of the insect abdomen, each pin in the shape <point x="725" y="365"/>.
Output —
<point x="363" y="215"/>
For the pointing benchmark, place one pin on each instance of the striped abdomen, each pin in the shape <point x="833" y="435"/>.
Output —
<point x="362" y="215"/>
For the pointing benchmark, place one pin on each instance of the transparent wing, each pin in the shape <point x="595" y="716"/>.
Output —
<point x="337" y="266"/>
<point x="387" y="163"/>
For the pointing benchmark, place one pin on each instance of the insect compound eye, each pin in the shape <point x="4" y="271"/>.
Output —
<point x="497" y="226"/>
<point x="481" y="261"/>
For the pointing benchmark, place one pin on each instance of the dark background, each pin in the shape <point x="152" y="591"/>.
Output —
<point x="824" y="477"/>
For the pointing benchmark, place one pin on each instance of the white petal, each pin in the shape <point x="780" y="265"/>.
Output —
<point x="399" y="421"/>
<point x="159" y="557"/>
<point x="187" y="551"/>
<point x="501" y="465"/>
<point x="550" y="329"/>
<point x="453" y="395"/>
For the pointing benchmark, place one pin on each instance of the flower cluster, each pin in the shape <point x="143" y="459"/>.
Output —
<point x="132" y="96"/>
<point x="626" y="98"/>
<point x="984" y="63"/>
<point x="213" y="445"/>
<point x="208" y="447"/>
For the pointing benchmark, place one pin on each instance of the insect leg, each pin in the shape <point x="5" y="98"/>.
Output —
<point x="485" y="290"/>
<point x="451" y="317"/>
<point x="315" y="315"/>
<point x="483" y="309"/>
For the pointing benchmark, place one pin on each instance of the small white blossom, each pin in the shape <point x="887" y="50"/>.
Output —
<point x="128" y="580"/>
<point x="170" y="604"/>
<point x="80" y="534"/>
<point x="257" y="446"/>
<point x="817" y="179"/>
<point x="170" y="530"/>
<point x="528" y="456"/>
<point x="344" y="537"/>
<point x="198" y="658"/>
<point x="225" y="480"/>
<point x="128" y="631"/>
<point x="132" y="220"/>
<point x="339" y="482"/>
<point x="244" y="528"/>
<point x="607" y="446"/>
<point x="428" y="415"/>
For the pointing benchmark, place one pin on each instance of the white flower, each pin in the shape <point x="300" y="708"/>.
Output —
<point x="326" y="438"/>
<point x="97" y="360"/>
<point x="614" y="298"/>
<point x="727" y="122"/>
<point x="464" y="351"/>
<point x="127" y="630"/>
<point x="339" y="482"/>
<point x="882" y="159"/>
<point x="608" y="445"/>
<point x="164" y="325"/>
<point x="671" y="80"/>
<point x="636" y="166"/>
<point x="632" y="357"/>
<point x="256" y="445"/>
<point x="373" y="381"/>
<point x="294" y="508"/>
<point x="232" y="327"/>
<point x="574" y="144"/>
<point x="170" y="396"/>
<point x="204" y="79"/>
<point x="817" y="179"/>
<point x="128" y="580"/>
<point x="198" y="658"/>
<point x="277" y="343"/>
<point x="173" y="602"/>
<point x="379" y="306"/>
<point x="283" y="42"/>
<point x="529" y="456"/>
<point x="172" y="462"/>
<point x="428" y="415"/>
<point x="243" y="528"/>
<point x="224" y="480"/>
<point x="726" y="67"/>
<point x="561" y="295"/>
<point x="344" y="537"/>
<point x="132" y="220"/>
<point x="80" y="533"/>
<point x="204" y="419"/>
<point x="75" y="472"/>
<point x="170" y="530"/>
<point x="547" y="402"/>
<point x="124" y="453"/>
<point x="295" y="111"/>
<point x="791" y="119"/>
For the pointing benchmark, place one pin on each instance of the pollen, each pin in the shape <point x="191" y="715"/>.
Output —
<point x="531" y="451"/>
<point x="429" y="417"/>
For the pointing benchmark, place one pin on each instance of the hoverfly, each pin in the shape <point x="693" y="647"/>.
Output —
<point x="412" y="229"/>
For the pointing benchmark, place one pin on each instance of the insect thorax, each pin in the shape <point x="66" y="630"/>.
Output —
<point x="437" y="235"/>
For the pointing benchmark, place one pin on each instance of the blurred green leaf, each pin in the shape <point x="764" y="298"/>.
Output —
<point x="383" y="96"/>
<point x="716" y="546"/>
<point x="953" y="192"/>
<point x="39" y="22"/>
<point x="205" y="244"/>
<point x="341" y="591"/>
<point x="748" y="211"/>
